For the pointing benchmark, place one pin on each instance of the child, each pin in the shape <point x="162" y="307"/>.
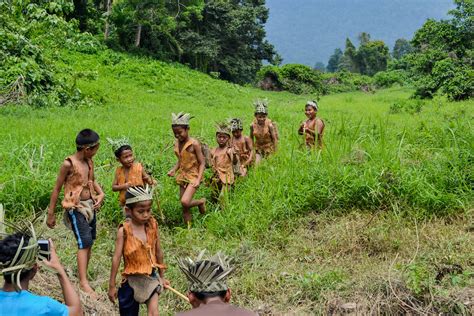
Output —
<point x="138" y="242"/>
<point x="82" y="197"/>
<point x="242" y="146"/>
<point x="190" y="167"/>
<point x="263" y="132"/>
<point x="222" y="157"/>
<point x="130" y="173"/>
<point x="312" y="126"/>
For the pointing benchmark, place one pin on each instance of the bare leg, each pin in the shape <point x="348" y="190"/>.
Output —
<point x="152" y="305"/>
<point x="83" y="256"/>
<point x="187" y="202"/>
<point x="258" y="159"/>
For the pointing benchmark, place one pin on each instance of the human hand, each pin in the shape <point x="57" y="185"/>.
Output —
<point x="154" y="182"/>
<point x="171" y="173"/>
<point x="112" y="293"/>
<point x="166" y="283"/>
<point x="51" y="221"/>
<point x="196" y="183"/>
<point x="53" y="261"/>
<point x="99" y="200"/>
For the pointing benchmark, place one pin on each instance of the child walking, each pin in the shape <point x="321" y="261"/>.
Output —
<point x="130" y="173"/>
<point x="189" y="168"/>
<point x="242" y="146"/>
<point x="82" y="198"/>
<point x="313" y="127"/>
<point x="223" y="158"/>
<point x="263" y="132"/>
<point x="138" y="242"/>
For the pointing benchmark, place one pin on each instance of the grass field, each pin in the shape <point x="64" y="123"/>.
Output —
<point x="382" y="218"/>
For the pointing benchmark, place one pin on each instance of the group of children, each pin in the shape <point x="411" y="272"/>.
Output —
<point x="137" y="239"/>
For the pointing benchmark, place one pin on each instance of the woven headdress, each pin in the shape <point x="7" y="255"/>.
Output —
<point x="26" y="255"/>
<point x="180" y="118"/>
<point x="261" y="106"/>
<point x="207" y="275"/>
<point x="314" y="104"/>
<point x="117" y="143"/>
<point x="236" y="124"/>
<point x="223" y="128"/>
<point x="139" y="194"/>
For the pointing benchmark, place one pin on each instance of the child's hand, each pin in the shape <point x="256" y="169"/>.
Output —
<point x="171" y="173"/>
<point x="154" y="182"/>
<point x="99" y="200"/>
<point x="51" y="221"/>
<point x="112" y="293"/>
<point x="196" y="183"/>
<point x="166" y="283"/>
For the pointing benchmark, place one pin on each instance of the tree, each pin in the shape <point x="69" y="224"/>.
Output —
<point x="349" y="59"/>
<point x="334" y="60"/>
<point x="401" y="48"/>
<point x="372" y="57"/>
<point x="319" y="66"/>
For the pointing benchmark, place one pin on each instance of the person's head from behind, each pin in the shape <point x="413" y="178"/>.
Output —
<point x="180" y="125"/>
<point x="18" y="255"/>
<point x="87" y="141"/>
<point x="124" y="155"/>
<point x="138" y="202"/>
<point x="310" y="109"/>
<point x="236" y="127"/>
<point x="207" y="278"/>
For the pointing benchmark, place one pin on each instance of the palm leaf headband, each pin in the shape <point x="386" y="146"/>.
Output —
<point x="261" y="106"/>
<point x="139" y="194"/>
<point x="180" y="118"/>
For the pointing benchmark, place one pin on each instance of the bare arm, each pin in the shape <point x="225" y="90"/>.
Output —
<point x="301" y="129"/>
<point x="249" y="144"/>
<point x="274" y="135"/>
<point x="100" y="194"/>
<point x="172" y="172"/>
<point x="159" y="253"/>
<point x="63" y="172"/>
<point x="320" y="129"/>
<point x="201" y="161"/>
<point x="71" y="298"/>
<point x="115" y="265"/>
<point x="251" y="135"/>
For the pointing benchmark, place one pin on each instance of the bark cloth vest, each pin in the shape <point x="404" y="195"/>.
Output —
<point x="241" y="146"/>
<point x="188" y="170"/>
<point x="263" y="139"/>
<point x="75" y="182"/>
<point x="222" y="165"/>
<point x="310" y="139"/>
<point x="135" y="177"/>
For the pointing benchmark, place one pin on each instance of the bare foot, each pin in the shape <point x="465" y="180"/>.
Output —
<point x="202" y="206"/>
<point x="86" y="288"/>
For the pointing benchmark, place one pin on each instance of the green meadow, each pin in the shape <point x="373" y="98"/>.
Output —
<point x="380" y="221"/>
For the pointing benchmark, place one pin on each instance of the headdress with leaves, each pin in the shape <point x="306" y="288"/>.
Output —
<point x="261" y="106"/>
<point x="139" y="194"/>
<point x="117" y="143"/>
<point x="314" y="104"/>
<point x="236" y="124"/>
<point x="224" y="128"/>
<point x="180" y="118"/>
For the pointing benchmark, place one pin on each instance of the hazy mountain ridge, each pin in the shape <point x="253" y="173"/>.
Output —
<point x="307" y="31"/>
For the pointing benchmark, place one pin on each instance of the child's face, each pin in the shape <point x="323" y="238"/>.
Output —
<point x="237" y="133"/>
<point x="222" y="139"/>
<point x="126" y="158"/>
<point x="310" y="112"/>
<point x="260" y="118"/>
<point x="141" y="212"/>
<point x="90" y="152"/>
<point x="180" y="133"/>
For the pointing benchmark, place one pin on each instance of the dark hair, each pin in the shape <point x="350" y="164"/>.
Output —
<point x="180" y="125"/>
<point x="202" y="296"/>
<point x="86" y="137"/>
<point x="8" y="249"/>
<point x="121" y="149"/>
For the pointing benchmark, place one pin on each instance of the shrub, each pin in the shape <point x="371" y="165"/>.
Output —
<point x="344" y="81"/>
<point x="386" y="79"/>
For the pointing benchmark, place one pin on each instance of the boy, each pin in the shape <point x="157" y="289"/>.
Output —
<point x="130" y="173"/>
<point x="138" y="242"/>
<point x="222" y="157"/>
<point x="312" y="126"/>
<point x="190" y="167"/>
<point x="242" y="145"/>
<point x="82" y="197"/>
<point x="263" y="132"/>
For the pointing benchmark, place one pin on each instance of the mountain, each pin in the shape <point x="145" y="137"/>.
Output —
<point x="308" y="31"/>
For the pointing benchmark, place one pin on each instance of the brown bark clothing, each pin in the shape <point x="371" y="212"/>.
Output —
<point x="264" y="143"/>
<point x="134" y="176"/>
<point x="222" y="165"/>
<point x="75" y="182"/>
<point x="311" y="138"/>
<point x="188" y="170"/>
<point x="140" y="257"/>
<point x="217" y="308"/>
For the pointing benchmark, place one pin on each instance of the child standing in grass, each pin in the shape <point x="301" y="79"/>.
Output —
<point x="223" y="158"/>
<point x="82" y="197"/>
<point x="138" y="242"/>
<point x="190" y="167"/>
<point x="242" y="145"/>
<point x="130" y="173"/>
<point x="263" y="132"/>
<point x="313" y="127"/>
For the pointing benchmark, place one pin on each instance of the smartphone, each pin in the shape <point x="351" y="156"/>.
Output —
<point x="44" y="249"/>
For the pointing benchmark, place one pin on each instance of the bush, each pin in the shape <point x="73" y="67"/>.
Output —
<point x="386" y="79"/>
<point x="344" y="81"/>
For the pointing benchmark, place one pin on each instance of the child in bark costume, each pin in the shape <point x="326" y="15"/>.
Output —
<point x="189" y="168"/>
<point x="138" y="242"/>
<point x="242" y="146"/>
<point x="223" y="158"/>
<point x="313" y="128"/>
<point x="263" y="132"/>
<point x="82" y="198"/>
<point x="130" y="173"/>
